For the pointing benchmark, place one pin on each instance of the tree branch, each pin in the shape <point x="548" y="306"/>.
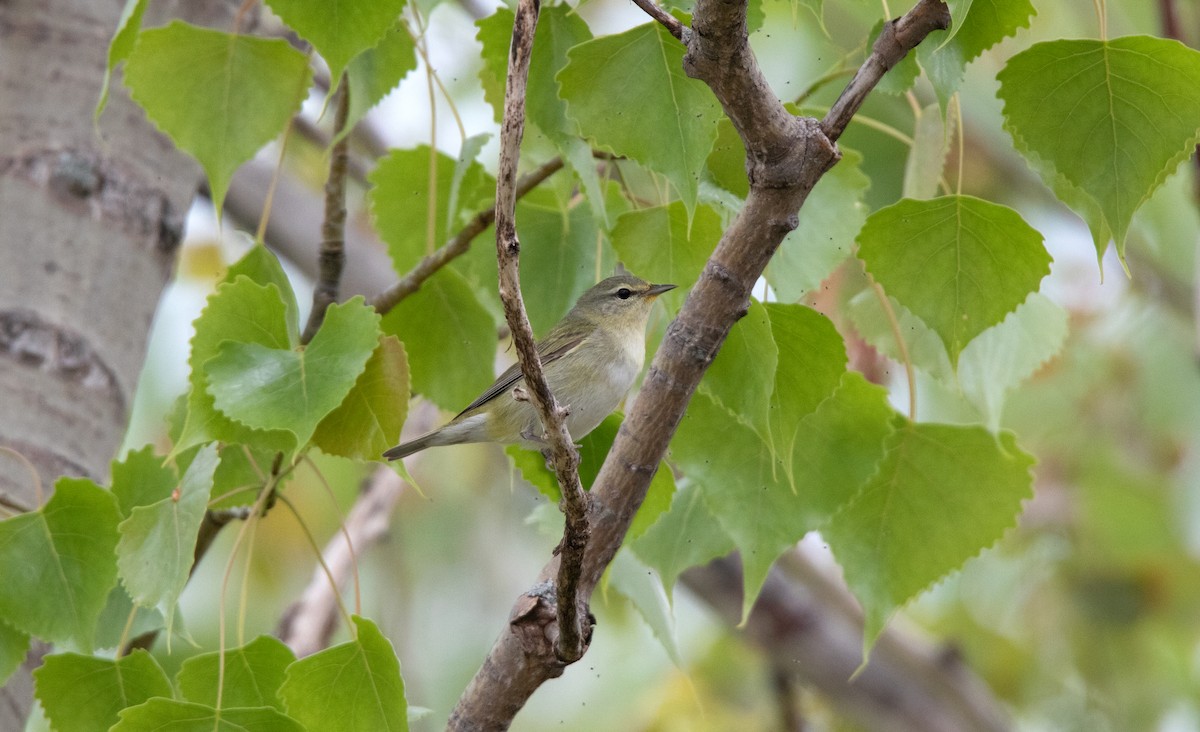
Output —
<point x="668" y="21"/>
<point x="786" y="156"/>
<point x="536" y="614"/>
<point x="457" y="246"/>
<point x="333" y="228"/>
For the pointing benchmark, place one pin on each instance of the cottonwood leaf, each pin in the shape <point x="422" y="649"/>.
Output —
<point x="369" y="419"/>
<point x="925" y="348"/>
<point x="811" y="362"/>
<point x="263" y="267"/>
<point x="1004" y="356"/>
<point x="58" y="563"/>
<point x="244" y="312"/>
<point x="399" y="201"/>
<point x="927" y="156"/>
<point x="450" y="339"/>
<point x="276" y="389"/>
<point x="657" y="245"/>
<point x="976" y="26"/>
<point x="1103" y="122"/>
<point x="687" y="535"/>
<point x="141" y="478"/>
<point x="158" y="541"/>
<point x="86" y="692"/>
<point x="128" y="27"/>
<point x="558" y="260"/>
<point x="352" y="686"/>
<point x="745" y="486"/>
<point x="339" y="29"/>
<point x="941" y="494"/>
<point x="831" y="218"/>
<point x="673" y="127"/>
<point x="959" y="263"/>
<point x="14" y="646"/>
<point x="196" y="85"/>
<point x="637" y="582"/>
<point x="168" y="715"/>
<point x="253" y="674"/>
<point x="741" y="377"/>
<point x="376" y="71"/>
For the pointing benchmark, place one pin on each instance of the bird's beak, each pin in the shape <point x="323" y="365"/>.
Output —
<point x="656" y="290"/>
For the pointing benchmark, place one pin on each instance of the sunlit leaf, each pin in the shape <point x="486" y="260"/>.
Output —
<point x="59" y="564"/>
<point x="673" y="126"/>
<point x="959" y="263"/>
<point x="276" y="389"/>
<point x="339" y="29"/>
<point x="158" y="540"/>
<point x="195" y="85"/>
<point x="370" y="417"/>
<point x="1103" y="122"/>
<point x="253" y="674"/>
<point x="941" y="494"/>
<point x="352" y="686"/>
<point x="128" y="27"/>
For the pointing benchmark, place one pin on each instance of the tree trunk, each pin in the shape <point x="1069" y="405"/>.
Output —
<point x="90" y="218"/>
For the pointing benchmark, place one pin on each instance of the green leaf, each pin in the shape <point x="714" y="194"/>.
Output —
<point x="685" y="536"/>
<point x="140" y="479"/>
<point x="901" y="77"/>
<point x="744" y="485"/>
<point x="352" y="686"/>
<point x="558" y="260"/>
<point x="977" y="26"/>
<point x="831" y="218"/>
<point x="271" y="388"/>
<point x="638" y="583"/>
<point x="925" y="347"/>
<point x="244" y="312"/>
<point x="959" y="263"/>
<point x="839" y="446"/>
<point x="339" y="29"/>
<point x="673" y="127"/>
<point x="727" y="161"/>
<point x="168" y="715"/>
<point x="253" y="674"/>
<point x="399" y="201"/>
<point x="741" y="377"/>
<point x="450" y="340"/>
<point x="59" y="564"/>
<point x="240" y="475"/>
<point x="376" y="71"/>
<point x="370" y="417"/>
<point x="1103" y="122"/>
<point x="1002" y="357"/>
<point x="128" y="26"/>
<point x="114" y="624"/>
<point x="14" y="646"/>
<point x="927" y="157"/>
<point x="811" y="362"/>
<point x="657" y="245"/>
<point x="261" y="265"/>
<point x="593" y="450"/>
<point x="942" y="493"/>
<point x="158" y="541"/>
<point x="196" y="85"/>
<point x="85" y="692"/>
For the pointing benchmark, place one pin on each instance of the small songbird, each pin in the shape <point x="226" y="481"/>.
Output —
<point x="590" y="358"/>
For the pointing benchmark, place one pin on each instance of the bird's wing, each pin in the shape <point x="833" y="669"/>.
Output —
<point x="549" y="350"/>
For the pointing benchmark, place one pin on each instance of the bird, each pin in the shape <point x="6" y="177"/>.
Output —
<point x="590" y="358"/>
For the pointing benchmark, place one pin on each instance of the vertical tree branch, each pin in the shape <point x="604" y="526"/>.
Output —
<point x="333" y="229"/>
<point x="570" y="642"/>
<point x="786" y="156"/>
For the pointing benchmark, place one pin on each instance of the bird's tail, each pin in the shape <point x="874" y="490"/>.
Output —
<point x="470" y="429"/>
<point x="405" y="449"/>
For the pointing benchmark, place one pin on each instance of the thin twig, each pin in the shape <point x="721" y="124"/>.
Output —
<point x="457" y="246"/>
<point x="896" y="39"/>
<point x="333" y="229"/>
<point x="668" y="21"/>
<point x="572" y="638"/>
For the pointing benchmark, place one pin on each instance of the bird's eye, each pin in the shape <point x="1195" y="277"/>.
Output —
<point x="624" y="293"/>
